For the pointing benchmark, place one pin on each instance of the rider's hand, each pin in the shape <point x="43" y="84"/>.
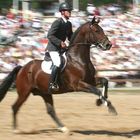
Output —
<point x="63" y="45"/>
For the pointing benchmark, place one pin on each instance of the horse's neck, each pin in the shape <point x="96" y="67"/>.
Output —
<point x="79" y="48"/>
<point x="79" y="52"/>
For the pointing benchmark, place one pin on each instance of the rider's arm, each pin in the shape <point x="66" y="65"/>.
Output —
<point x="53" y="32"/>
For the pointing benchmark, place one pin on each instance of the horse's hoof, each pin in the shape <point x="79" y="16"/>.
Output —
<point x="64" y="130"/>
<point x="111" y="109"/>
<point x="98" y="102"/>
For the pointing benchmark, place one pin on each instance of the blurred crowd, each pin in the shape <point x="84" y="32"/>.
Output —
<point x="124" y="33"/>
<point x="24" y="40"/>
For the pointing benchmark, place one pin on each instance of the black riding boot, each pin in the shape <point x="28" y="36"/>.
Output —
<point x="53" y="81"/>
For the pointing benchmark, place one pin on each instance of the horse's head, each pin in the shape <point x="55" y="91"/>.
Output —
<point x="96" y="36"/>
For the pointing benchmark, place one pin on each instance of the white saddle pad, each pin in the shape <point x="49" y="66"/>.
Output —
<point x="46" y="66"/>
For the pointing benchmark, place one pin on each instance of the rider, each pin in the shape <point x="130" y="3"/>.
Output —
<point x="60" y="31"/>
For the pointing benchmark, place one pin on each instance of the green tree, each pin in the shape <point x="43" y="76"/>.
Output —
<point x="83" y="3"/>
<point x="6" y="3"/>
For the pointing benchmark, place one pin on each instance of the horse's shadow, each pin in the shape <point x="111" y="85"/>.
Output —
<point x="128" y="134"/>
<point x="35" y="132"/>
<point x="109" y="133"/>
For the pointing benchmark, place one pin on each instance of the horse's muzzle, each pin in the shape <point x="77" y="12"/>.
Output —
<point x="105" y="46"/>
<point x="108" y="46"/>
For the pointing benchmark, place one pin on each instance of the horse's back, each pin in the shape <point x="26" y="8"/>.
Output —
<point x="31" y="65"/>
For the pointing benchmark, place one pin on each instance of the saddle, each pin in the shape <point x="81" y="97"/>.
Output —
<point x="47" y="64"/>
<point x="47" y="56"/>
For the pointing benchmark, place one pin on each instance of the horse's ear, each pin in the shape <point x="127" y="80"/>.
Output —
<point x="95" y="20"/>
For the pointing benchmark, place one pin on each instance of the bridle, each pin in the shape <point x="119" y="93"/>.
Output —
<point x="99" y="44"/>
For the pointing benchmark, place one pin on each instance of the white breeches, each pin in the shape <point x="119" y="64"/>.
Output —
<point x="55" y="58"/>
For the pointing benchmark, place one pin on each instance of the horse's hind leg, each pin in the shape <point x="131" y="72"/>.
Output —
<point x="16" y="106"/>
<point x="51" y="111"/>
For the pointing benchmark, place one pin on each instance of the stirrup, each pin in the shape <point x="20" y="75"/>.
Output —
<point x="54" y="86"/>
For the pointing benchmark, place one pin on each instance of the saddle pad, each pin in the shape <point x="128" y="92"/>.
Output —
<point x="46" y="66"/>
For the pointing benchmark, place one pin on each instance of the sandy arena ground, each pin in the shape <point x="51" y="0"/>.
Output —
<point x="79" y="113"/>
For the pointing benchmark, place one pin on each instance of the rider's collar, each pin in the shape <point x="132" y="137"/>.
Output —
<point x="65" y="20"/>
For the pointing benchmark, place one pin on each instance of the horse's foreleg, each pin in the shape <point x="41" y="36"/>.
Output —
<point x="92" y="89"/>
<point x="103" y="82"/>
<point x="102" y="99"/>
<point x="85" y="87"/>
<point x="51" y="111"/>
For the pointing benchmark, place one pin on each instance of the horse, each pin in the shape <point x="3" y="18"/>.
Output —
<point x="79" y="74"/>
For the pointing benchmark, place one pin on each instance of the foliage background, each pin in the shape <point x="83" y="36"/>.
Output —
<point x="83" y="3"/>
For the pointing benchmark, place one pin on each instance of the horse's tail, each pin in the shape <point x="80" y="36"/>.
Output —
<point x="7" y="82"/>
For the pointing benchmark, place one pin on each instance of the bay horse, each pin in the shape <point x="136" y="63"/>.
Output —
<point x="79" y="74"/>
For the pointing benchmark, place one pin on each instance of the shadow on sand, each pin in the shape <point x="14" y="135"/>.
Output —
<point x="109" y="133"/>
<point x="128" y="134"/>
<point x="35" y="132"/>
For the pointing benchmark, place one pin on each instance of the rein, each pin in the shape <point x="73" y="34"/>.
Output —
<point x="79" y="44"/>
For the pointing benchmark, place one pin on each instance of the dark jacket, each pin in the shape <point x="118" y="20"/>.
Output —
<point x="58" y="32"/>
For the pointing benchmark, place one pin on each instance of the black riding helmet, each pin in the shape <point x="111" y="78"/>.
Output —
<point x="64" y="7"/>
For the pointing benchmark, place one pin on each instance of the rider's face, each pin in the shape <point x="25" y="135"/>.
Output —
<point x="67" y="14"/>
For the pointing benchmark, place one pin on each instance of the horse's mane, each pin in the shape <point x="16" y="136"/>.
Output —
<point x="76" y="32"/>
